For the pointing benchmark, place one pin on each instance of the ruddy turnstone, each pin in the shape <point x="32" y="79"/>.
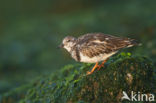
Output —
<point x="95" y="47"/>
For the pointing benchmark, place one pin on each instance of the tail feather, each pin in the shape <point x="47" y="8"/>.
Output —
<point x="133" y="42"/>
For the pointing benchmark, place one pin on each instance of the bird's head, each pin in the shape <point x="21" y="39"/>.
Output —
<point x="68" y="42"/>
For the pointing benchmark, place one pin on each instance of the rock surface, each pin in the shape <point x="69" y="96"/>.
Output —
<point x="71" y="84"/>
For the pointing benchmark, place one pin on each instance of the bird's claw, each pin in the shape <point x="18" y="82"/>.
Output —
<point x="88" y="72"/>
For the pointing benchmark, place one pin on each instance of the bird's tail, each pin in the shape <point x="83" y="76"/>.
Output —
<point x="133" y="42"/>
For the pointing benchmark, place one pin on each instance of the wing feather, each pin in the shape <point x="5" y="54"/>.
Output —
<point x="94" y="44"/>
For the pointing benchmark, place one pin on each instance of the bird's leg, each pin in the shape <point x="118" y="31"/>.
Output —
<point x="90" y="72"/>
<point x="102" y="64"/>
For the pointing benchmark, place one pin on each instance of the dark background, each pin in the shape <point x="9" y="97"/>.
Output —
<point x="30" y="31"/>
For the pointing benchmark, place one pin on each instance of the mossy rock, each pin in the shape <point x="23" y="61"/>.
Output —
<point x="15" y="95"/>
<point x="72" y="85"/>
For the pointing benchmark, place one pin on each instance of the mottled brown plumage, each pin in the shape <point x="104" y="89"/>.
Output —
<point x="93" y="44"/>
<point x="95" y="47"/>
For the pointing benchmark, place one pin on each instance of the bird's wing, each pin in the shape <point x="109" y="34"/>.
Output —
<point x="95" y="44"/>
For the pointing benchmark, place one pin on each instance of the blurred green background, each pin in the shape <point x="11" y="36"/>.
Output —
<point x="30" y="31"/>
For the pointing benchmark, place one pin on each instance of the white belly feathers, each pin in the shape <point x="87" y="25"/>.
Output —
<point x="95" y="59"/>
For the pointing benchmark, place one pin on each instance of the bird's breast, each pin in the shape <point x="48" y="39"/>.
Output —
<point x="75" y="55"/>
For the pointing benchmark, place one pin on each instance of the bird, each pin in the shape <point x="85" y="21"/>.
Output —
<point x="95" y="47"/>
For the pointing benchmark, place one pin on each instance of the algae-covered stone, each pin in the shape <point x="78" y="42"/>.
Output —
<point x="72" y="85"/>
<point x="15" y="95"/>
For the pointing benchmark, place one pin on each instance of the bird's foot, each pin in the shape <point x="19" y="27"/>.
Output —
<point x="88" y="73"/>
<point x="100" y="66"/>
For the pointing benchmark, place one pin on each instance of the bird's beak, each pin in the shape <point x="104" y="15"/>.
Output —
<point x="61" y="46"/>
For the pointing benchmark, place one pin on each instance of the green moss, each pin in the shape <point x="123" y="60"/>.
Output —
<point x="15" y="95"/>
<point x="71" y="84"/>
<point x="121" y="73"/>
